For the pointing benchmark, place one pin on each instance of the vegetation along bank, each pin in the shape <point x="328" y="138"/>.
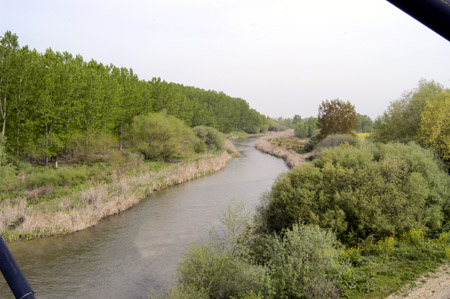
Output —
<point x="83" y="140"/>
<point x="365" y="218"/>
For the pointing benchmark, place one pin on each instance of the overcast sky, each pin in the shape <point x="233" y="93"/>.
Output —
<point x="283" y="56"/>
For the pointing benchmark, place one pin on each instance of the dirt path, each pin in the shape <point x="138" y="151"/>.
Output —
<point x="434" y="285"/>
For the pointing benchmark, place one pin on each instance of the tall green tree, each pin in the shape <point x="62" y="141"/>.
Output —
<point x="9" y="45"/>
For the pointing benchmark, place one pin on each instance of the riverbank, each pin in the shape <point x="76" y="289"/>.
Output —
<point x="116" y="193"/>
<point x="291" y="157"/>
<point x="433" y="285"/>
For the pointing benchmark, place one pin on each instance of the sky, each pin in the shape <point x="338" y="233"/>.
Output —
<point x="284" y="57"/>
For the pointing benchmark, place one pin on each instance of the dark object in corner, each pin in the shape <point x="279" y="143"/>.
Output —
<point x="13" y="275"/>
<point x="435" y="14"/>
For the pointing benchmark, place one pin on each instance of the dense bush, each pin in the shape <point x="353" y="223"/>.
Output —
<point x="160" y="137"/>
<point x="336" y="140"/>
<point x="372" y="191"/>
<point x="303" y="263"/>
<point x="300" y="263"/>
<point x="90" y="147"/>
<point x="221" y="268"/>
<point x="7" y="173"/>
<point x="312" y="142"/>
<point x="211" y="137"/>
<point x="57" y="177"/>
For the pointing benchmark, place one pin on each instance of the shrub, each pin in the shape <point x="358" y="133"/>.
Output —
<point x="211" y="137"/>
<point x="219" y="274"/>
<point x="371" y="191"/>
<point x="335" y="140"/>
<point x="90" y="147"/>
<point x="57" y="177"/>
<point x="303" y="263"/>
<point x="7" y="172"/>
<point x="219" y="269"/>
<point x="160" y="137"/>
<point x="299" y="263"/>
<point x="312" y="142"/>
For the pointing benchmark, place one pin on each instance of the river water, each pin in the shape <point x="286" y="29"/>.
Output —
<point x="128" y="255"/>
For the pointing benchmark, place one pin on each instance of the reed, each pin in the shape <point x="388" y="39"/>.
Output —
<point x="289" y="156"/>
<point x="87" y="207"/>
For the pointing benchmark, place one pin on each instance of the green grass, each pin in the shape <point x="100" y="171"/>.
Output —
<point x="45" y="185"/>
<point x="393" y="263"/>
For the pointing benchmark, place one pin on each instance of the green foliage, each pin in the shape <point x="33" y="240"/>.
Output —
<point x="90" y="147"/>
<point x="7" y="172"/>
<point x="300" y="263"/>
<point x="57" y="178"/>
<point x="303" y="263"/>
<point x="213" y="139"/>
<point x="364" y="124"/>
<point x="160" y="137"/>
<point x="336" y="140"/>
<point x="219" y="274"/>
<point x="434" y="131"/>
<point x="401" y="121"/>
<point x="312" y="142"/>
<point x="391" y="263"/>
<point x="305" y="128"/>
<point x="49" y="99"/>
<point x="363" y="193"/>
<point x="220" y="268"/>
<point x="336" y="117"/>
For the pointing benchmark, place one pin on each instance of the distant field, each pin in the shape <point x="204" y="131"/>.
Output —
<point x="363" y="135"/>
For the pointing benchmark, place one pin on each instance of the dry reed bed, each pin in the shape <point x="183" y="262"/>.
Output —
<point x="289" y="156"/>
<point x="19" y="221"/>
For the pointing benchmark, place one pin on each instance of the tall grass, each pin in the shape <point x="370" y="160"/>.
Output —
<point x="85" y="208"/>
<point x="291" y="157"/>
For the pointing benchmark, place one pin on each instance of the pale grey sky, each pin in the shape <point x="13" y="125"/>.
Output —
<point x="283" y="56"/>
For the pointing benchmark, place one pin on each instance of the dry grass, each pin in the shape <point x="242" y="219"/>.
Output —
<point x="86" y="208"/>
<point x="291" y="157"/>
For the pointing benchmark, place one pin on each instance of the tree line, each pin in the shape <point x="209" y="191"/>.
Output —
<point x="46" y="99"/>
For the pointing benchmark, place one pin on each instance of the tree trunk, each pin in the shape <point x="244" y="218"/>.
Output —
<point x="120" y="137"/>
<point x="4" y="126"/>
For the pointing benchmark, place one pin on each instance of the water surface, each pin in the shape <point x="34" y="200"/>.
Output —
<point x="127" y="255"/>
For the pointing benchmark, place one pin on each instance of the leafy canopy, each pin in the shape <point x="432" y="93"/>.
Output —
<point x="434" y="130"/>
<point x="159" y="136"/>
<point x="336" y="117"/>
<point x="374" y="190"/>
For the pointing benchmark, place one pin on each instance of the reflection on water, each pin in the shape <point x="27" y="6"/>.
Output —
<point x="127" y="255"/>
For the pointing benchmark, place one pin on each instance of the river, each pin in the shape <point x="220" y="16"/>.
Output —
<point x="128" y="255"/>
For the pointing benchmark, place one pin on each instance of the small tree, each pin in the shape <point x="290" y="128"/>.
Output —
<point x="336" y="117"/>
<point x="160" y="137"/>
